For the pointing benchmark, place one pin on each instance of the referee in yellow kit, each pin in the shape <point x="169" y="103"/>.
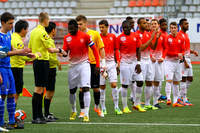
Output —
<point x="41" y="42"/>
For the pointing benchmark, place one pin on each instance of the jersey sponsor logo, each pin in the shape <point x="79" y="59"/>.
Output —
<point x="123" y="38"/>
<point x="111" y="38"/>
<point x="134" y="39"/>
<point x="68" y="39"/>
<point x="147" y="35"/>
<point x="141" y="35"/>
<point x="179" y="41"/>
<point x="46" y="37"/>
<point x="81" y="40"/>
<point x="161" y="38"/>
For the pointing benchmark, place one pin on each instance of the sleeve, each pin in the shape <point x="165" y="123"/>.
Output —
<point x="164" y="47"/>
<point x="98" y="41"/>
<point x="90" y="43"/>
<point x="46" y="40"/>
<point x="65" y="46"/>
<point x="183" y="46"/>
<point x="116" y="48"/>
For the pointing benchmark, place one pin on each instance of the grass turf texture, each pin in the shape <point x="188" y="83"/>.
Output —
<point x="61" y="108"/>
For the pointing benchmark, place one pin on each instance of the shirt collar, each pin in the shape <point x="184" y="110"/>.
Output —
<point x="41" y="27"/>
<point x="17" y="35"/>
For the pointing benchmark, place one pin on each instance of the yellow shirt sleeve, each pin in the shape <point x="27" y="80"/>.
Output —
<point x="99" y="42"/>
<point x="46" y="40"/>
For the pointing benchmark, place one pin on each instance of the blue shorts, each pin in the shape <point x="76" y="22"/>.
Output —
<point x="8" y="85"/>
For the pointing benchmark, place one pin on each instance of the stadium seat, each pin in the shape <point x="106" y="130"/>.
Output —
<point x="2" y="10"/>
<point x="112" y="11"/>
<point x="58" y="4"/>
<point x="21" y="4"/>
<point x="184" y="8"/>
<point x="24" y="11"/>
<point x="61" y="11"/>
<point x="128" y="10"/>
<point x="159" y="9"/>
<point x="192" y="8"/>
<point x="9" y="10"/>
<point x="147" y="3"/>
<point x="51" y="4"/>
<point x="179" y="2"/>
<point x="124" y="3"/>
<point x="196" y="2"/>
<point x="117" y="3"/>
<point x="65" y="4"/>
<point x="53" y="11"/>
<point x="180" y="15"/>
<point x="47" y="10"/>
<point x="151" y="9"/>
<point x="196" y="15"/>
<point x="120" y="10"/>
<point x="43" y="4"/>
<point x="38" y="10"/>
<point x="188" y="15"/>
<point x="7" y="5"/>
<point x="69" y="11"/>
<point x="170" y="2"/>
<point x="143" y="10"/>
<point x="171" y="9"/>
<point x="162" y="2"/>
<point x="155" y="3"/>
<point x="132" y="3"/>
<point x="13" y="4"/>
<point x="16" y="11"/>
<point x="1" y="5"/>
<point x="73" y="4"/>
<point x="31" y="11"/>
<point x="136" y="10"/>
<point x="140" y="3"/>
<point x="36" y="4"/>
<point x="188" y="2"/>
<point x="198" y="9"/>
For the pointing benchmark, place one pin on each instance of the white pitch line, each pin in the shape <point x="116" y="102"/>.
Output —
<point x="122" y="124"/>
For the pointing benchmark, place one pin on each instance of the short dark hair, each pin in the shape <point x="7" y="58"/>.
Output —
<point x="129" y="18"/>
<point x="182" y="20"/>
<point x="125" y="22"/>
<point x="173" y="23"/>
<point x="155" y="20"/>
<point x="51" y="26"/>
<point x="139" y="19"/>
<point x="20" y="25"/>
<point x="6" y="16"/>
<point x="162" y="20"/>
<point x="81" y="18"/>
<point x="105" y="22"/>
<point x="73" y="22"/>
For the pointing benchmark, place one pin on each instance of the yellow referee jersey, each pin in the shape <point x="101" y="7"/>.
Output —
<point x="40" y="42"/>
<point x="53" y="61"/>
<point x="96" y="38"/>
<point x="17" y="43"/>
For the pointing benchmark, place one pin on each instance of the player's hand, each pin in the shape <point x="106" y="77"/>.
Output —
<point x="196" y="53"/>
<point x="60" y="67"/>
<point x="180" y="56"/>
<point x="31" y="55"/>
<point x="1" y="79"/>
<point x="160" y="60"/>
<point x="186" y="65"/>
<point x="97" y="70"/>
<point x="60" y="55"/>
<point x="118" y="68"/>
<point x="153" y="34"/>
<point x="64" y="53"/>
<point x="158" y="35"/>
<point x="153" y="59"/>
<point x="138" y="69"/>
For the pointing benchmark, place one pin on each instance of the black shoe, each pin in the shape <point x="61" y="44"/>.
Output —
<point x="39" y="121"/>
<point x="50" y="118"/>
<point x="158" y="106"/>
<point x="19" y="125"/>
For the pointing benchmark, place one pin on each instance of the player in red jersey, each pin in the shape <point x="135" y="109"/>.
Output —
<point x="157" y="58"/>
<point x="187" y="72"/>
<point x="146" y="63"/>
<point x="76" y="44"/>
<point x="175" y="53"/>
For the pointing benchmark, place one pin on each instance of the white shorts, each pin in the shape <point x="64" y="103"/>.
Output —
<point x="158" y="71"/>
<point x="112" y="73"/>
<point x="187" y="72"/>
<point x="173" y="70"/>
<point x="128" y="74"/>
<point x="147" y="70"/>
<point x="79" y="75"/>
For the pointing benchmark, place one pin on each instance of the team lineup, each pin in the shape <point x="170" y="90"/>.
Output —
<point x="144" y="58"/>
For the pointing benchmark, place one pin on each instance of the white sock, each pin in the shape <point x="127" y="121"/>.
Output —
<point x="155" y="94"/>
<point x="72" y="99"/>
<point x="147" y="95"/>
<point x="133" y="91"/>
<point x="115" y="95"/>
<point x="138" y="96"/>
<point x="168" y="88"/>
<point x="160" y="88"/>
<point x="183" y="90"/>
<point x="188" y="83"/>
<point x="124" y="97"/>
<point x="87" y="99"/>
<point x="175" y="93"/>
<point x="102" y="99"/>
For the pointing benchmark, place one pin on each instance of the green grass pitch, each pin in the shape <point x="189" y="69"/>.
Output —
<point x="61" y="108"/>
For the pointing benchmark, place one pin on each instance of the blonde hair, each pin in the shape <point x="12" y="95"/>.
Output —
<point x="43" y="16"/>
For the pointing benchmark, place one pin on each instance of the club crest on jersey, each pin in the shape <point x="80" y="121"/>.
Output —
<point x="46" y="37"/>
<point x="81" y="40"/>
<point x="170" y="40"/>
<point x="141" y="35"/>
<point x="147" y="35"/>
<point x="134" y="39"/>
<point x="68" y="39"/>
<point x="179" y="41"/>
<point x="161" y="38"/>
<point x="111" y="38"/>
<point x="123" y="38"/>
<point x="19" y="45"/>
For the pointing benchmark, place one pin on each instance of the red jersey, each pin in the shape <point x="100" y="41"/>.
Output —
<point x="161" y="49"/>
<point x="175" y="45"/>
<point x="144" y="37"/>
<point x="127" y="45"/>
<point x="109" y="45"/>
<point x="77" y="46"/>
<point x="187" y="43"/>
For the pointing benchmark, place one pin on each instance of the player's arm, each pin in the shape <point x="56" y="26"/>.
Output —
<point x="100" y="44"/>
<point x="154" y="45"/>
<point x="144" y="46"/>
<point x="165" y="49"/>
<point x="194" y="52"/>
<point x="1" y="79"/>
<point x="116" y="50"/>
<point x="138" y="55"/>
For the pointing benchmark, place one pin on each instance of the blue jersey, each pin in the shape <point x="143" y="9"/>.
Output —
<point x="5" y="41"/>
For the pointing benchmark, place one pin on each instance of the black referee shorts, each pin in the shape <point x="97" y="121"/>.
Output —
<point x="95" y="78"/>
<point x="41" y="72"/>
<point x="51" y="79"/>
<point x="18" y="76"/>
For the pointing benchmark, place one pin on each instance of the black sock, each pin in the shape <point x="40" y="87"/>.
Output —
<point x="35" y="99"/>
<point x="97" y="98"/>
<point x="47" y="103"/>
<point x="40" y="100"/>
<point x="81" y="100"/>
